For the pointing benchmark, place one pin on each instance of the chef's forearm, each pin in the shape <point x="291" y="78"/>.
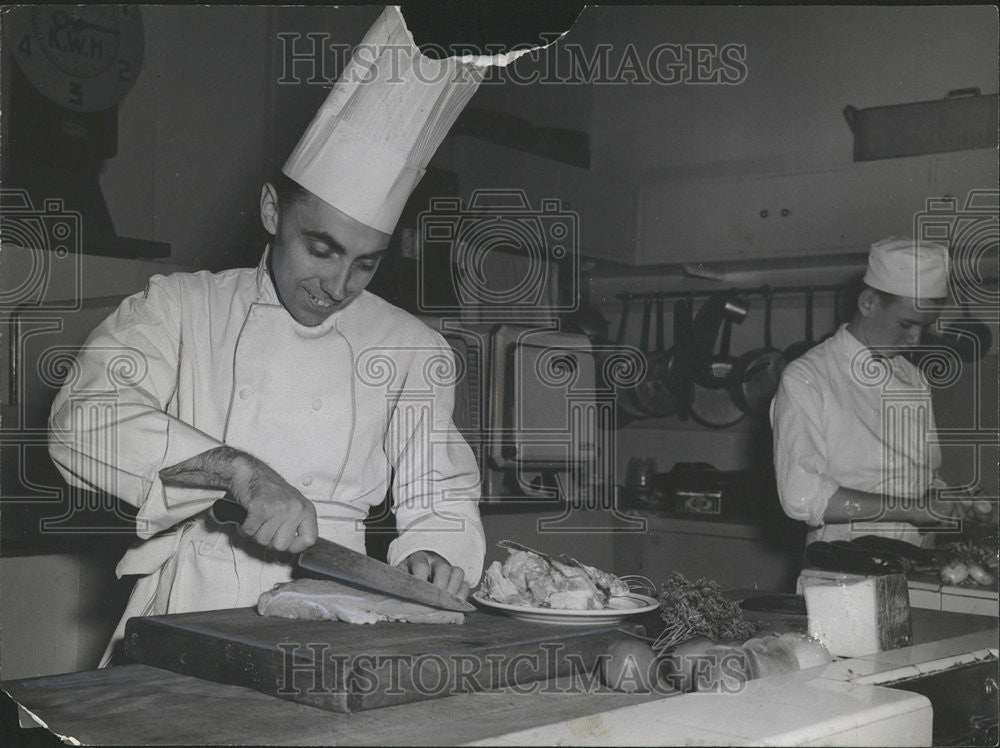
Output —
<point x="850" y="505"/>
<point x="223" y="468"/>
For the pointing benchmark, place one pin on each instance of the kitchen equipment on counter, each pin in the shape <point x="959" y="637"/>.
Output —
<point x="539" y="381"/>
<point x="640" y="478"/>
<point x="796" y="349"/>
<point x="334" y="560"/>
<point x="627" y="408"/>
<point x="698" y="490"/>
<point x="758" y="372"/>
<point x="963" y="119"/>
<point x="654" y="394"/>
<point x="344" y="667"/>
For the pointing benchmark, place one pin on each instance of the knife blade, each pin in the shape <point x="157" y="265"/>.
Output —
<point x="339" y="562"/>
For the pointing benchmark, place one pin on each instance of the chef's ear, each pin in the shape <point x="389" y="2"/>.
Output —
<point x="269" y="208"/>
<point x="868" y="300"/>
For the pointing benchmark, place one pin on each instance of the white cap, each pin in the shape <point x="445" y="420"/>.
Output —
<point x="369" y="144"/>
<point x="904" y="267"/>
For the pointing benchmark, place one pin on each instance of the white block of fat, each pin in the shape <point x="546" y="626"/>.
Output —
<point x="856" y="618"/>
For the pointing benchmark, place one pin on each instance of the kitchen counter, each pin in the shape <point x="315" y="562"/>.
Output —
<point x="138" y="704"/>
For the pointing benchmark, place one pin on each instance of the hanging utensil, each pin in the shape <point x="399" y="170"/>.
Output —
<point x="714" y="370"/>
<point x="628" y="410"/>
<point x="681" y="365"/>
<point x="713" y="406"/>
<point x="758" y="372"/>
<point x="795" y="350"/>
<point x="653" y="393"/>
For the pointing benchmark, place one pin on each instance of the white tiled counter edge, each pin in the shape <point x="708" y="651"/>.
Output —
<point x="836" y="704"/>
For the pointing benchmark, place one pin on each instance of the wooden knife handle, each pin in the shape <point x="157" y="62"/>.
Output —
<point x="227" y="511"/>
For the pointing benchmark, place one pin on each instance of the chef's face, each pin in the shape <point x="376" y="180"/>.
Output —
<point x="893" y="324"/>
<point x="321" y="259"/>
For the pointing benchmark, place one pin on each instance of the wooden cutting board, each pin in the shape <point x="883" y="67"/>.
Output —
<point x="346" y="667"/>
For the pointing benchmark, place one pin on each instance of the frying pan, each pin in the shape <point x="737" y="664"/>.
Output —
<point x="713" y="406"/>
<point x="758" y="372"/>
<point x="795" y="350"/>
<point x="714" y="371"/>
<point x="653" y="393"/>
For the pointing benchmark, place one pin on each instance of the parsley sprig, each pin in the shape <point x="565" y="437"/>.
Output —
<point x="698" y="609"/>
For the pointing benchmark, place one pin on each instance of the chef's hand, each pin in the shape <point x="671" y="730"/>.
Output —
<point x="279" y="517"/>
<point x="932" y="510"/>
<point x="433" y="568"/>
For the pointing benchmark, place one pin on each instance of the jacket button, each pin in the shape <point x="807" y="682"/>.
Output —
<point x="317" y="404"/>
<point x="246" y="393"/>
<point x="307" y="480"/>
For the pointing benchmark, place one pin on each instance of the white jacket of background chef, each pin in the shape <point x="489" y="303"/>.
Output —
<point x="201" y="360"/>
<point x="843" y="417"/>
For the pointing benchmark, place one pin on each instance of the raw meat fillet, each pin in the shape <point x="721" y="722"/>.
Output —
<point x="327" y="600"/>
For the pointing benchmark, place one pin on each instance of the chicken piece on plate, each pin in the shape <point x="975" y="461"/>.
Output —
<point x="498" y="587"/>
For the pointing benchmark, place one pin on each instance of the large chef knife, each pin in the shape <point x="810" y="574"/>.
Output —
<point x="334" y="560"/>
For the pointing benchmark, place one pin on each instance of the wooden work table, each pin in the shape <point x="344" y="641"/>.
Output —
<point x="138" y="704"/>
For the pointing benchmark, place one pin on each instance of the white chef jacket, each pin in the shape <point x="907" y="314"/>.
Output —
<point x="199" y="360"/>
<point x="845" y="417"/>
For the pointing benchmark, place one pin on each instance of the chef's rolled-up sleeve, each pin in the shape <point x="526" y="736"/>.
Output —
<point x="436" y="488"/>
<point x="110" y="429"/>
<point x="800" y="450"/>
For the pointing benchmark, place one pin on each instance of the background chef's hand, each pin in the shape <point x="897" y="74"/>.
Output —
<point x="932" y="510"/>
<point x="279" y="517"/>
<point x="431" y="567"/>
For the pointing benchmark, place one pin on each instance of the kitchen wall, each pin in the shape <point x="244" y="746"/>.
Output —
<point x="804" y="65"/>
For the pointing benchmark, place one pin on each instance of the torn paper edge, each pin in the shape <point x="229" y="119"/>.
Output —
<point x="41" y="723"/>
<point x="500" y="60"/>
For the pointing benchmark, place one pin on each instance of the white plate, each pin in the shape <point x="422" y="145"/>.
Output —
<point x="621" y="608"/>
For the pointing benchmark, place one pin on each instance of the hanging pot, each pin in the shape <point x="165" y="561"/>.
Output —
<point x="714" y="371"/>
<point x="713" y="406"/>
<point x="758" y="372"/>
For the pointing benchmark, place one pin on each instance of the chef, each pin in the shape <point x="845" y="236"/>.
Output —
<point x="854" y="446"/>
<point x="288" y="385"/>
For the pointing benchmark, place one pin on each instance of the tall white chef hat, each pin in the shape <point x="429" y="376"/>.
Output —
<point x="369" y="144"/>
<point x="904" y="267"/>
